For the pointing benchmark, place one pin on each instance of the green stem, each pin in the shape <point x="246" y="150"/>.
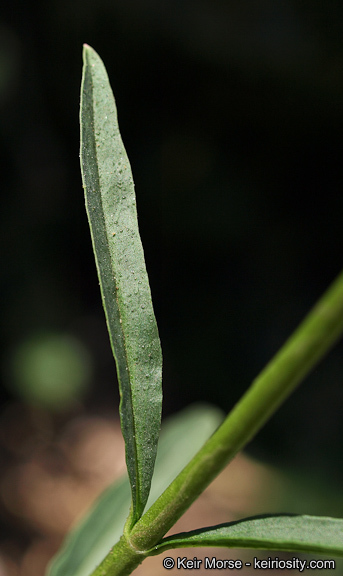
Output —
<point x="122" y="560"/>
<point x="309" y="343"/>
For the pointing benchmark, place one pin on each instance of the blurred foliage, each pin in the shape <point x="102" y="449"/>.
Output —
<point x="51" y="371"/>
<point x="232" y="118"/>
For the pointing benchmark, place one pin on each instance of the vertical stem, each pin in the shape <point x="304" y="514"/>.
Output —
<point x="122" y="560"/>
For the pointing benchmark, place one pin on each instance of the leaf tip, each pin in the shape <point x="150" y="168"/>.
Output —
<point x="88" y="50"/>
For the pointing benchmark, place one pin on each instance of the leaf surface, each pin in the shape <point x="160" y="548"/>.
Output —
<point x="111" y="209"/>
<point x="282" y="532"/>
<point x="181" y="437"/>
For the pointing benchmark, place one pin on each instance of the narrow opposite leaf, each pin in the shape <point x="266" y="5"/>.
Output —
<point x="283" y="532"/>
<point x="111" y="208"/>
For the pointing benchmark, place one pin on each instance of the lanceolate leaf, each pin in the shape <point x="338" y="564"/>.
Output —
<point x="181" y="437"/>
<point x="111" y="209"/>
<point x="284" y="533"/>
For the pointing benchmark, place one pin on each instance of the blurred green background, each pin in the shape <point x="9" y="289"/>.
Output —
<point x="231" y="114"/>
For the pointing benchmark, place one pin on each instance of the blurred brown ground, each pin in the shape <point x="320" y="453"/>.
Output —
<point x="54" y="470"/>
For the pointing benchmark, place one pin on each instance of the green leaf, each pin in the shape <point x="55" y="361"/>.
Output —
<point x="87" y="544"/>
<point x="111" y="208"/>
<point x="283" y="533"/>
<point x="181" y="437"/>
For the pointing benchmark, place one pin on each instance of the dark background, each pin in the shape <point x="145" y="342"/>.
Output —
<point x="231" y="114"/>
